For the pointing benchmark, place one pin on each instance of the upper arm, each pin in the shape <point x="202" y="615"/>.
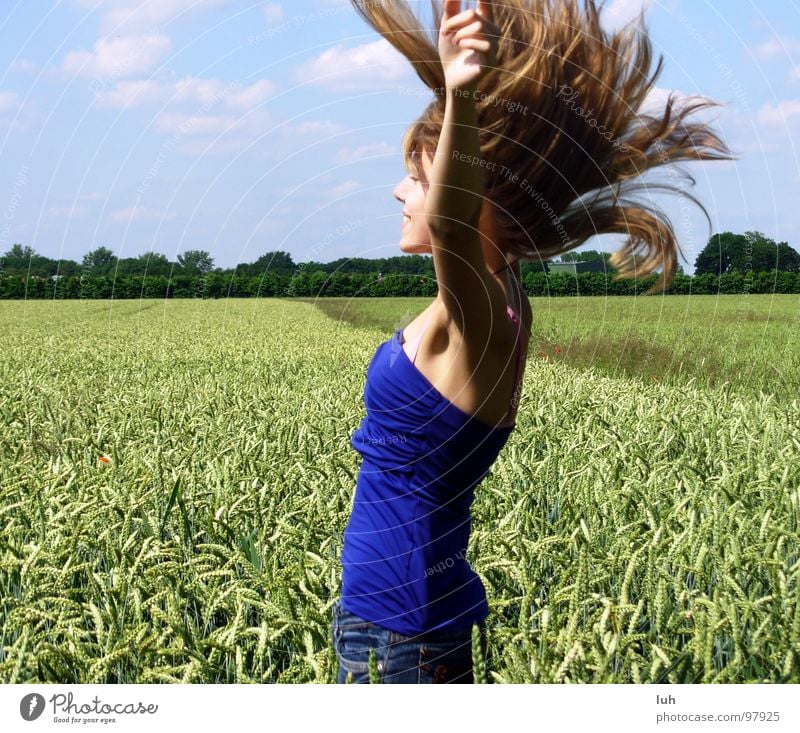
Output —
<point x="467" y="290"/>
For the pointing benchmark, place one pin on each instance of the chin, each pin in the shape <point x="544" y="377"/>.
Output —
<point x="416" y="249"/>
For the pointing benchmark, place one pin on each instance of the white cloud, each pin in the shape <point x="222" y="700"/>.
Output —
<point x="194" y="89"/>
<point x="656" y="101"/>
<point x="197" y="135"/>
<point x="206" y="130"/>
<point x="253" y="95"/>
<point x="119" y="57"/>
<point x="273" y="12"/>
<point x="200" y="135"/>
<point x="67" y="212"/>
<point x="622" y="12"/>
<point x="8" y="101"/>
<point x="217" y="146"/>
<point x="270" y="225"/>
<point x="317" y="128"/>
<point x="139" y="213"/>
<point x="755" y="147"/>
<point x="208" y="92"/>
<point x="123" y="215"/>
<point x="22" y="66"/>
<point x="344" y="188"/>
<point x="779" y="47"/>
<point x="361" y="68"/>
<point x="172" y="123"/>
<point x="351" y="155"/>
<point x="132" y="94"/>
<point x="780" y="114"/>
<point x="127" y="16"/>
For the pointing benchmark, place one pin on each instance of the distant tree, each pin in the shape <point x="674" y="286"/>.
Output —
<point x="413" y="264"/>
<point x="361" y="265"/>
<point x="281" y="262"/>
<point x="68" y="267"/>
<point x="24" y="261"/>
<point x="154" y="263"/>
<point x="401" y="265"/>
<point x="269" y="262"/>
<point x="716" y="257"/>
<point x="527" y="267"/>
<point x="590" y="255"/>
<point x="18" y="252"/>
<point x="787" y="259"/>
<point x="729" y="252"/>
<point x="761" y="254"/>
<point x="18" y="260"/>
<point x="195" y="261"/>
<point x="100" y="261"/>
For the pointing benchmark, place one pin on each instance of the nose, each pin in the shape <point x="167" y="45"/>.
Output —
<point x="399" y="191"/>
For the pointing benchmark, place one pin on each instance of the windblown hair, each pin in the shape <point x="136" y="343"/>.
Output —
<point x="562" y="111"/>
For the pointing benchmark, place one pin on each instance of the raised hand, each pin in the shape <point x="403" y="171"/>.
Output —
<point x="467" y="44"/>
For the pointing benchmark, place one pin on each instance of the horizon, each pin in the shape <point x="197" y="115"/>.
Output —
<point x="243" y="129"/>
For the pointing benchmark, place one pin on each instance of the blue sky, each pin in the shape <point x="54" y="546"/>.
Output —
<point x="244" y="127"/>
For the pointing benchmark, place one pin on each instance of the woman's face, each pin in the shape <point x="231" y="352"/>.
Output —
<point x="411" y="192"/>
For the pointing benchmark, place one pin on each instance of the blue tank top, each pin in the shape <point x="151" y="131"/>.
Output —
<point x="403" y="559"/>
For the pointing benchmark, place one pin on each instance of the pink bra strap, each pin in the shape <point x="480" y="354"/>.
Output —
<point x="522" y="355"/>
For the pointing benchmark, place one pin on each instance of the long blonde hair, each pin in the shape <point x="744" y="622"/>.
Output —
<point x="555" y="179"/>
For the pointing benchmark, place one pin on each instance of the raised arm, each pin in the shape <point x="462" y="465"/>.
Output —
<point x="467" y="48"/>
<point x="456" y="180"/>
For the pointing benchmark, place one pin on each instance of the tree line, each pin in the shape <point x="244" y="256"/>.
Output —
<point x="729" y="263"/>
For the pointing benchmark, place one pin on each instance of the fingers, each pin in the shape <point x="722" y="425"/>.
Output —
<point x="468" y="30"/>
<point x="457" y="22"/>
<point x="451" y="8"/>
<point x="479" y="34"/>
<point x="475" y="44"/>
<point x="485" y="9"/>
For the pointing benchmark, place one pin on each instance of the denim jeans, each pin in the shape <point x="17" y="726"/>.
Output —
<point x="421" y="659"/>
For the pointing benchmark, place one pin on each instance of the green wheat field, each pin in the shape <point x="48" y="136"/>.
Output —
<point x="175" y="478"/>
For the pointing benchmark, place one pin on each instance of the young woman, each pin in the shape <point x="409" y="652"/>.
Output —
<point x="535" y="106"/>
